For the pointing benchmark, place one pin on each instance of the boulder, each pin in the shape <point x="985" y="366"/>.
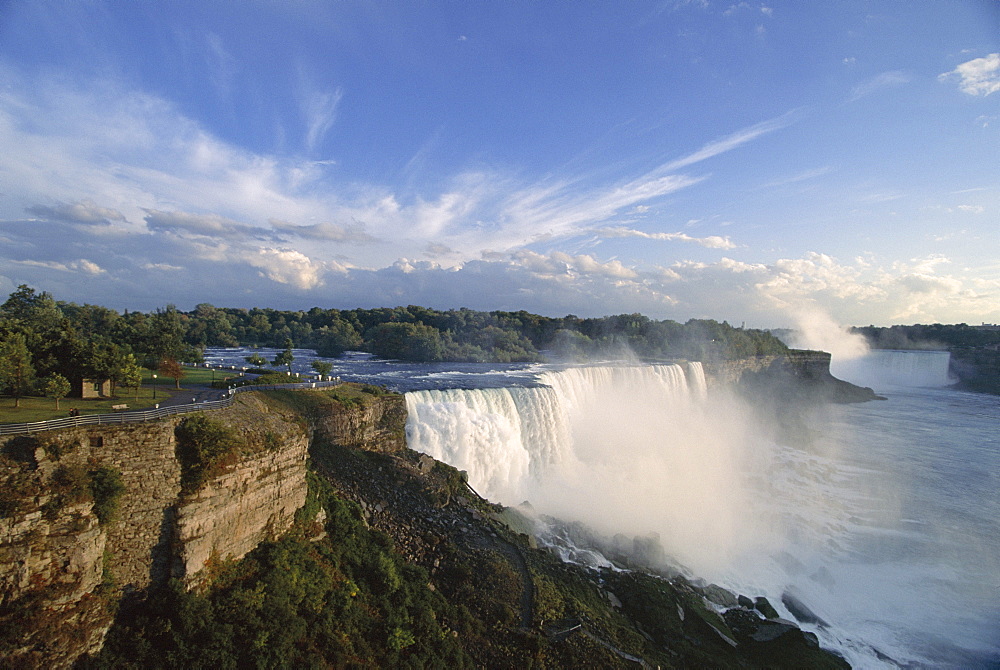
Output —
<point x="763" y="606"/>
<point x="799" y="610"/>
<point x="720" y="596"/>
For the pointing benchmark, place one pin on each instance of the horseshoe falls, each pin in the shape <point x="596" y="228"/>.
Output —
<point x="881" y="517"/>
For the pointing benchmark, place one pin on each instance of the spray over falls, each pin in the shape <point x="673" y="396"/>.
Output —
<point x="847" y="513"/>
<point x="637" y="450"/>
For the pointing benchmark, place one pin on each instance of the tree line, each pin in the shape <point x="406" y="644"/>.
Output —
<point x="46" y="343"/>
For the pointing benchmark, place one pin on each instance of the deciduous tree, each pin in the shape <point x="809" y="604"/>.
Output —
<point x="56" y="387"/>
<point x="17" y="374"/>
<point x="169" y="367"/>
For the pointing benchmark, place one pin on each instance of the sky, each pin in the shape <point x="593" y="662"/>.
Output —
<point x="762" y="163"/>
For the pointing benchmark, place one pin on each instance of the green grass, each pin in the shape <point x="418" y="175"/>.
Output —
<point x="43" y="409"/>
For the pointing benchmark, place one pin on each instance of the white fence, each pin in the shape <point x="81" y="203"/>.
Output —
<point x="138" y="416"/>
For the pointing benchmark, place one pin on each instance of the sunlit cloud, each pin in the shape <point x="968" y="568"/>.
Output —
<point x="82" y="266"/>
<point x="979" y="76"/>
<point x="710" y="242"/>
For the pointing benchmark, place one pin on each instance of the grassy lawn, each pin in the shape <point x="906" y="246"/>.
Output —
<point x="43" y="409"/>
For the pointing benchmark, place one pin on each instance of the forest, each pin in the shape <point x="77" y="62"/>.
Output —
<point x="46" y="343"/>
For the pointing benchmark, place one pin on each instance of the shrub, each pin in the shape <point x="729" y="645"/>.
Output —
<point x="107" y="487"/>
<point x="203" y="447"/>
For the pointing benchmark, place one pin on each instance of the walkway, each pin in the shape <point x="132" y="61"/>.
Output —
<point x="194" y="399"/>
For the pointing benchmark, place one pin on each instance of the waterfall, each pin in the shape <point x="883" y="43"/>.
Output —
<point x="625" y="449"/>
<point x="883" y="367"/>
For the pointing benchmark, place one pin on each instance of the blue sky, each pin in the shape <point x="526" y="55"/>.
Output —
<point x="766" y="163"/>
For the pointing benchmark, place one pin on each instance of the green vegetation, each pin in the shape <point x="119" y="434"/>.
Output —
<point x="42" y="339"/>
<point x="204" y="448"/>
<point x="350" y="601"/>
<point x="106" y="487"/>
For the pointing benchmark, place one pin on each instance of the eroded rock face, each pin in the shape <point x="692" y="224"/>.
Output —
<point x="234" y="512"/>
<point x="377" y="425"/>
<point x="59" y="567"/>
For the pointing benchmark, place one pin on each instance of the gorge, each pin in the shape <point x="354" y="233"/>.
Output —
<point x="680" y="470"/>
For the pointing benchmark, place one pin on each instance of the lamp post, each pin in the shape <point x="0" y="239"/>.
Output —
<point x="154" y="387"/>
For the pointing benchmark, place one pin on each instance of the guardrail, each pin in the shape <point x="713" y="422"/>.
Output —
<point x="139" y="415"/>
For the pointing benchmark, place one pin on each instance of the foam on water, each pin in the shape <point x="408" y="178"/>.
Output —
<point x="855" y="516"/>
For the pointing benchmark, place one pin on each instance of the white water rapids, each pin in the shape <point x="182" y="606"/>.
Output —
<point x="848" y="513"/>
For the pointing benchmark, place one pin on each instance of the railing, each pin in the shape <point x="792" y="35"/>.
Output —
<point x="139" y="416"/>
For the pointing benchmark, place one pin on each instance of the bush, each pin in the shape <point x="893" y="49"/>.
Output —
<point x="107" y="487"/>
<point x="204" y="447"/>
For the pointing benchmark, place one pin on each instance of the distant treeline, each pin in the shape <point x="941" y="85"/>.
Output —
<point x="92" y="341"/>
<point x="422" y="334"/>
<point x="933" y="336"/>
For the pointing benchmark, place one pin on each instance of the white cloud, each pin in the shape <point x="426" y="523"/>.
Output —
<point x="710" y="242"/>
<point x="287" y="266"/>
<point x="81" y="266"/>
<point x="732" y="141"/>
<point x="979" y="76"/>
<point x="164" y="267"/>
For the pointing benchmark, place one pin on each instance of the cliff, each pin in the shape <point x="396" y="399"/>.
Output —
<point x="386" y="558"/>
<point x="62" y="569"/>
<point x="799" y="375"/>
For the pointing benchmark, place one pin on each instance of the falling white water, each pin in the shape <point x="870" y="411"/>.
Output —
<point x="626" y="449"/>
<point x="870" y="513"/>
<point x="882" y="368"/>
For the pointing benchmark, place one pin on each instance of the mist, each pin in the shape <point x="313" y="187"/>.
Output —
<point x="817" y="330"/>
<point x="642" y="451"/>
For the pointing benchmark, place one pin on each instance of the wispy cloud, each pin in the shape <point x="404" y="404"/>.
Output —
<point x="733" y="141"/>
<point x="979" y="76"/>
<point x="711" y="242"/>
<point x="319" y="111"/>
<point x="879" y="82"/>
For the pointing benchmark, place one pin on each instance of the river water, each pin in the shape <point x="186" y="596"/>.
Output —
<point x="882" y="517"/>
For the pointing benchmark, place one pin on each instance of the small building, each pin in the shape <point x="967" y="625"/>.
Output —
<point x="94" y="388"/>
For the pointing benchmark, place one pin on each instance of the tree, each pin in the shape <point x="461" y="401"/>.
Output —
<point x="256" y="360"/>
<point x="130" y="376"/>
<point x="56" y="387"/>
<point x="169" y="367"/>
<point x="16" y="372"/>
<point x="285" y="357"/>
<point x="322" y="368"/>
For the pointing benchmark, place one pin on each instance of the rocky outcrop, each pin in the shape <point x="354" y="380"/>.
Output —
<point x="797" y="375"/>
<point x="360" y="420"/>
<point x="60" y="568"/>
<point x="233" y="513"/>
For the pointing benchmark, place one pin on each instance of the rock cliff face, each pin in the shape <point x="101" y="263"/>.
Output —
<point x="799" y="374"/>
<point x="373" y="423"/>
<point x="60" y="567"/>
<point x="236" y="511"/>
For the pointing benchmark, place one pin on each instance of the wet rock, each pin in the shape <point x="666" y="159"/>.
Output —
<point x="743" y="601"/>
<point x="720" y="596"/>
<point x="772" y="629"/>
<point x="762" y="605"/>
<point x="800" y="611"/>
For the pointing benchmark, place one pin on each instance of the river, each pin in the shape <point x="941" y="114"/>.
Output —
<point x="882" y="517"/>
